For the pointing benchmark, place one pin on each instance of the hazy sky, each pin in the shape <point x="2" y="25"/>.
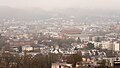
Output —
<point x="51" y="4"/>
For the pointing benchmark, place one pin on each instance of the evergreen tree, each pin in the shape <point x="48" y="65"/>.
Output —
<point x="90" y="46"/>
<point x="78" y="40"/>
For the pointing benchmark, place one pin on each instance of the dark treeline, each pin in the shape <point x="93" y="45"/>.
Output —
<point x="8" y="60"/>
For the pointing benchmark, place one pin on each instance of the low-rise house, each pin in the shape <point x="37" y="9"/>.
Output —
<point x="61" y="65"/>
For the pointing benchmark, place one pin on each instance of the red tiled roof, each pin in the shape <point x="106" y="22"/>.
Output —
<point x="71" y="31"/>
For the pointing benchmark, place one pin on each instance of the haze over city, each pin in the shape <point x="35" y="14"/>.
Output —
<point x="59" y="34"/>
<point x="53" y="4"/>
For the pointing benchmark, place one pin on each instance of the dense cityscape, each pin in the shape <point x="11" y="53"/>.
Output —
<point x="58" y="42"/>
<point x="59" y="34"/>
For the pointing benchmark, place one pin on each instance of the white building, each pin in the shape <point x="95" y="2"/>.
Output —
<point x="116" y="46"/>
<point x="61" y="65"/>
<point x="107" y="45"/>
<point x="27" y="48"/>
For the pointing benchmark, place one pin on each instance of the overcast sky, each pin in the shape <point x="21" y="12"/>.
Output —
<point x="51" y="4"/>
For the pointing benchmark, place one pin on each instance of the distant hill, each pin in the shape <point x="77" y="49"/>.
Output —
<point x="37" y="13"/>
<point x="7" y="12"/>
